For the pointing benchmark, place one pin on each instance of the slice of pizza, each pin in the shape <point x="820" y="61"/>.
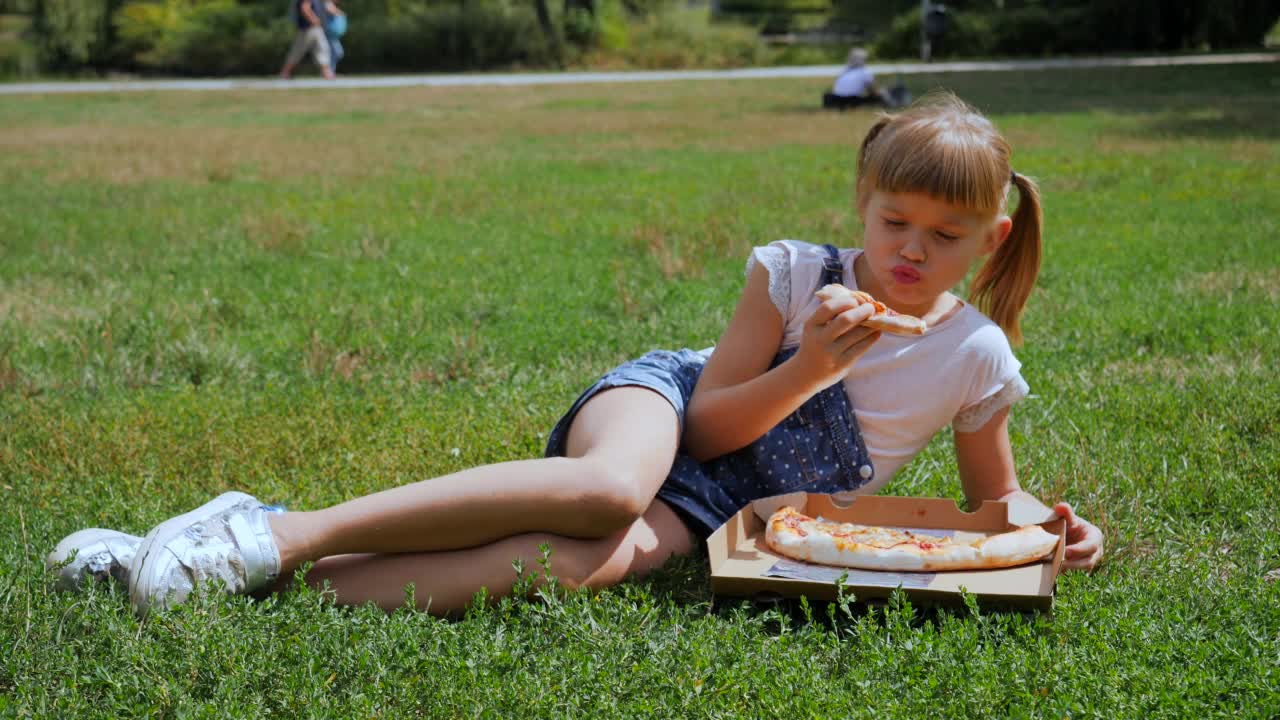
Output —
<point x="884" y="318"/>
<point x="796" y="535"/>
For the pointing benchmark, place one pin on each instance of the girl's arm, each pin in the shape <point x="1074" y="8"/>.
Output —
<point x="985" y="459"/>
<point x="986" y="466"/>
<point x="738" y="398"/>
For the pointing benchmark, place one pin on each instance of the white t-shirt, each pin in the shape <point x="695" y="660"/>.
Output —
<point x="904" y="389"/>
<point x="853" y="82"/>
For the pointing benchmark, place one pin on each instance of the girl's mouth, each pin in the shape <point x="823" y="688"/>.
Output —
<point x="906" y="275"/>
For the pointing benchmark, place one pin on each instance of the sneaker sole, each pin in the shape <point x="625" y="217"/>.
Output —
<point x="140" y="584"/>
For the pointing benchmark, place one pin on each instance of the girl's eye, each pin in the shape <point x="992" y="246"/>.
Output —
<point x="947" y="237"/>
<point x="894" y="223"/>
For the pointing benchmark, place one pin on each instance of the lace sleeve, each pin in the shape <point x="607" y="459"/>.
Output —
<point x="775" y="260"/>
<point x="972" y="418"/>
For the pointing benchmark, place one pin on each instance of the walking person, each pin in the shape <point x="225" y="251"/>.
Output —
<point x="309" y="39"/>
<point x="335" y="26"/>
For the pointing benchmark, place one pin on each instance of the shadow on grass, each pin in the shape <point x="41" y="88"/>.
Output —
<point x="1225" y="124"/>
<point x="1209" y="102"/>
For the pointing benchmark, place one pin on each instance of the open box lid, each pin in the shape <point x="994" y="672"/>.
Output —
<point x="742" y="565"/>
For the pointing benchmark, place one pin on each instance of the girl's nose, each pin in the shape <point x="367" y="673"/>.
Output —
<point x="913" y="250"/>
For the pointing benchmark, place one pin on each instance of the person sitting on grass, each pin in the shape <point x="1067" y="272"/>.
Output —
<point x="856" y="86"/>
<point x="661" y="450"/>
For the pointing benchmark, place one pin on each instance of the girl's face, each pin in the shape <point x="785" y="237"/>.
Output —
<point x="918" y="247"/>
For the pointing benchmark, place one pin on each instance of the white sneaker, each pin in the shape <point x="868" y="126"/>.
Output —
<point x="226" y="539"/>
<point x="92" y="555"/>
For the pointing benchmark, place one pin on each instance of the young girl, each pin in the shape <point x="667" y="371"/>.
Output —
<point x="661" y="450"/>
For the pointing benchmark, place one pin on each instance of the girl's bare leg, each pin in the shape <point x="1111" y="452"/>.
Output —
<point x="620" y="446"/>
<point x="445" y="582"/>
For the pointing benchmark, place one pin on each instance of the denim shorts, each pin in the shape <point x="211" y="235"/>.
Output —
<point x="818" y="448"/>
<point x="670" y="373"/>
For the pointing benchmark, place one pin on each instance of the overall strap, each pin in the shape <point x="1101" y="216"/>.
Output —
<point x="834" y="404"/>
<point x="832" y="268"/>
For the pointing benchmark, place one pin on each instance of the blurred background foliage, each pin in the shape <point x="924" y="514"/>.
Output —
<point x="249" y="37"/>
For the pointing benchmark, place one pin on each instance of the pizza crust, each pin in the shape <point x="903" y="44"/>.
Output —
<point x="795" y="535"/>
<point x="884" y="318"/>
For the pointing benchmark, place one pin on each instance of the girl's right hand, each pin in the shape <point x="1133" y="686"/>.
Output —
<point x="834" y="338"/>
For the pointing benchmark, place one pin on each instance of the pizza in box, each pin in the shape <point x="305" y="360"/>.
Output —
<point x="868" y="547"/>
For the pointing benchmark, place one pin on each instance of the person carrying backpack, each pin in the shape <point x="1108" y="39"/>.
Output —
<point x="310" y="38"/>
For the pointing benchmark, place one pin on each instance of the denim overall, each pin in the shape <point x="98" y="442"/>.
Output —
<point x="818" y="448"/>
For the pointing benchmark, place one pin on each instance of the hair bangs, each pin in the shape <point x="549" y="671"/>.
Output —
<point x="944" y="149"/>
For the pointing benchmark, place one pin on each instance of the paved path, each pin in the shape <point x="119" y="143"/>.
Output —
<point x="567" y="78"/>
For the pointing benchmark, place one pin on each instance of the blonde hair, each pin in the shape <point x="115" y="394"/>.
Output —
<point x="944" y="148"/>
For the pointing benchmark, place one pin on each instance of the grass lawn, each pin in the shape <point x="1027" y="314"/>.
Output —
<point x="312" y="295"/>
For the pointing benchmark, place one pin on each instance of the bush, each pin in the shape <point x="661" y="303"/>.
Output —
<point x="70" y="34"/>
<point x="231" y="40"/>
<point x="776" y="16"/>
<point x="1080" y="26"/>
<point x="677" y="37"/>
<point x="17" y="56"/>
<point x="867" y="17"/>
<point x="1037" y="30"/>
<point x="224" y="37"/>
<point x="481" y="34"/>
<point x="203" y="37"/>
<point x="968" y="34"/>
<point x="1240" y="23"/>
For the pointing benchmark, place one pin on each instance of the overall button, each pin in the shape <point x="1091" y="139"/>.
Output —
<point x="865" y="471"/>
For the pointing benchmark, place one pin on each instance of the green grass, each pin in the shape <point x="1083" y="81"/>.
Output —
<point x="317" y="294"/>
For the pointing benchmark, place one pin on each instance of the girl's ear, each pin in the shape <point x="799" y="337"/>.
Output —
<point x="998" y="233"/>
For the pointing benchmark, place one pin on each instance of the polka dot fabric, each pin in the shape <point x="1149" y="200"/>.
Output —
<point x="818" y="448"/>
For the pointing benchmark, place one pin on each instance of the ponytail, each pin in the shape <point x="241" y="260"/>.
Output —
<point x="1004" y="282"/>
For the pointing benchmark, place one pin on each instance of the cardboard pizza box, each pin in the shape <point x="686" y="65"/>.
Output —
<point x="742" y="565"/>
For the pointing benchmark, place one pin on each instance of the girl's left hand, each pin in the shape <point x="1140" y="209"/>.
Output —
<point x="1084" y="540"/>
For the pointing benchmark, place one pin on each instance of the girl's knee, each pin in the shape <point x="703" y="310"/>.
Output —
<point x="612" y="497"/>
